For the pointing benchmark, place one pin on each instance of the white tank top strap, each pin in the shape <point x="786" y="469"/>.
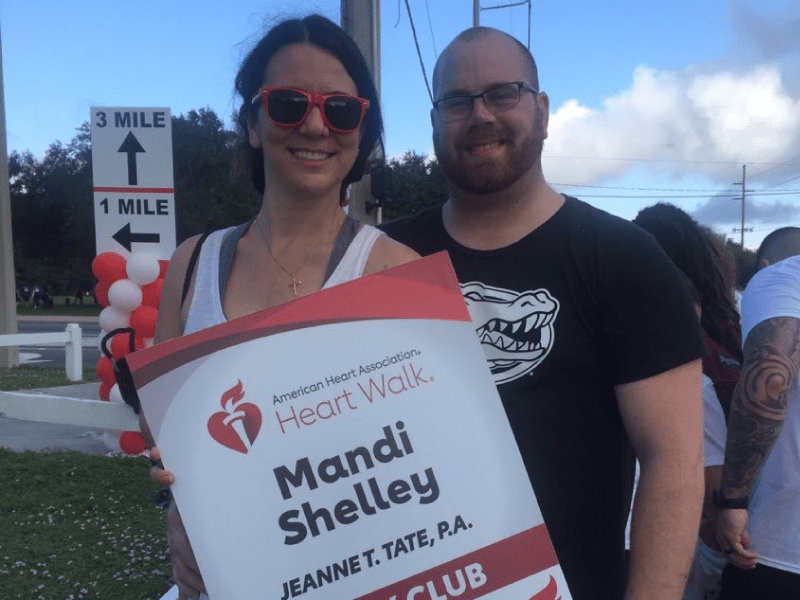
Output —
<point x="205" y="307"/>
<point x="355" y="259"/>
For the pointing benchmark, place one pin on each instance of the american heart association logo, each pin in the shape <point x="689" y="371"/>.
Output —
<point x="549" y="592"/>
<point x="237" y="425"/>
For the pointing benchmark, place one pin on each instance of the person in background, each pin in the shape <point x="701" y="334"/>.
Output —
<point x="310" y="117"/>
<point x="590" y="335"/>
<point x="695" y="251"/>
<point x="704" y="581"/>
<point x="758" y="502"/>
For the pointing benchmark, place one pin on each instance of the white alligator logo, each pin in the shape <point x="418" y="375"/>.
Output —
<point x="515" y="329"/>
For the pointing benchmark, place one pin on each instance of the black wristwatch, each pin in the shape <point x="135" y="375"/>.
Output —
<point x="719" y="501"/>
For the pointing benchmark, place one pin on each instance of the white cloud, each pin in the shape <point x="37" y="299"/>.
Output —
<point x="679" y="123"/>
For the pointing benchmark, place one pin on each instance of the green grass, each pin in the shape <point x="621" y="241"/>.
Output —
<point x="26" y="377"/>
<point x="74" y="526"/>
<point x="61" y="308"/>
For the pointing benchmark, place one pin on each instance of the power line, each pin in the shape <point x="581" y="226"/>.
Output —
<point x="430" y="25"/>
<point x="684" y="196"/>
<point x="660" y="160"/>
<point x="419" y="54"/>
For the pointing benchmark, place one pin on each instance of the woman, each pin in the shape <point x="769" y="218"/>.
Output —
<point x="695" y="251"/>
<point x="310" y="115"/>
<point x="709" y="277"/>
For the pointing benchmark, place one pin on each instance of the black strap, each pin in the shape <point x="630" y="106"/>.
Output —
<point x="187" y="280"/>
<point x="346" y="235"/>
<point x="226" y="253"/>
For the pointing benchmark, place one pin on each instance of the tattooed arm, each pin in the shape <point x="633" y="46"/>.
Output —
<point x="758" y="409"/>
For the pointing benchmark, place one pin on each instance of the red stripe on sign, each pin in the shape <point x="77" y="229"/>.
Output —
<point x="480" y="572"/>
<point x="136" y="190"/>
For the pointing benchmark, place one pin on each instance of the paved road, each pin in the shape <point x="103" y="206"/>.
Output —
<point x="53" y="356"/>
<point x="30" y="435"/>
<point x="20" y="435"/>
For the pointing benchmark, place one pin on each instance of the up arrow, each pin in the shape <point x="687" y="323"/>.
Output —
<point x="131" y="146"/>
<point x="125" y="238"/>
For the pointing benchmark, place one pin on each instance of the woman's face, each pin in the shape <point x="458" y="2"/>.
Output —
<point x="309" y="158"/>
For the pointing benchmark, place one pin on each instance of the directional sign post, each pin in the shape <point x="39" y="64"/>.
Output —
<point x="134" y="198"/>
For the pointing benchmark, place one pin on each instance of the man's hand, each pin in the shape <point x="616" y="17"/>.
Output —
<point x="185" y="572"/>
<point x="733" y="539"/>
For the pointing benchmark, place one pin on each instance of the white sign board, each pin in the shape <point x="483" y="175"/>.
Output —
<point x="134" y="198"/>
<point x="350" y="444"/>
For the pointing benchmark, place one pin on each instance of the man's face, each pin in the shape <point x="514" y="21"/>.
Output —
<point x="487" y="152"/>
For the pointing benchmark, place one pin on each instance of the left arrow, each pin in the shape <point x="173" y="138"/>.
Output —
<point x="131" y="146"/>
<point x="125" y="238"/>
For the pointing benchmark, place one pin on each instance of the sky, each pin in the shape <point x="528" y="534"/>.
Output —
<point x="650" y="100"/>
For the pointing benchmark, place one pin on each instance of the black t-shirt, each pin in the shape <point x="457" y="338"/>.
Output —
<point x="584" y="302"/>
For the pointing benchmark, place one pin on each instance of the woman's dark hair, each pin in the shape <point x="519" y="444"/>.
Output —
<point x="325" y="34"/>
<point x="700" y="255"/>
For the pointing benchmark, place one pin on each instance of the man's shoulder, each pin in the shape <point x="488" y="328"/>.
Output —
<point x="418" y="230"/>
<point x="582" y="212"/>
<point x="590" y="224"/>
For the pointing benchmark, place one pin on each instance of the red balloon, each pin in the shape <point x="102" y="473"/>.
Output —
<point x="139" y="342"/>
<point x="132" y="442"/>
<point x="108" y="267"/>
<point x="143" y="321"/>
<point x="120" y="345"/>
<point x="151" y="293"/>
<point x="105" y="390"/>
<point x="105" y="371"/>
<point x="101" y="293"/>
<point x="162" y="264"/>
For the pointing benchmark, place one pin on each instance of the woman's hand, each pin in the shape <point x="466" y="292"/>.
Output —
<point x="157" y="472"/>
<point x="185" y="572"/>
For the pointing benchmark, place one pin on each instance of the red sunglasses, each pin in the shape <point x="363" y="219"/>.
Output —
<point x="290" y="107"/>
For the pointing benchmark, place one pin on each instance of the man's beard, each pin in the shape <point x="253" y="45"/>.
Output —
<point x="491" y="176"/>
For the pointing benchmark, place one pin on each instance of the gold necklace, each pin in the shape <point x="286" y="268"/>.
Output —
<point x="293" y="274"/>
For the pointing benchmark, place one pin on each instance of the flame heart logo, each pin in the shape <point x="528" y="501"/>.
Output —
<point x="549" y="592"/>
<point x="237" y="425"/>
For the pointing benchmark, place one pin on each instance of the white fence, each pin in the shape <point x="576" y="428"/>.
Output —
<point x="46" y="408"/>
<point x="70" y="337"/>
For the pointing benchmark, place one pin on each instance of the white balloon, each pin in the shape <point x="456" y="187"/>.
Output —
<point x="112" y="318"/>
<point x="142" y="268"/>
<point x="125" y="295"/>
<point x="115" y="395"/>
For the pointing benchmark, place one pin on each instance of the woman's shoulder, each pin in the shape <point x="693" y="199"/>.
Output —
<point x="388" y="253"/>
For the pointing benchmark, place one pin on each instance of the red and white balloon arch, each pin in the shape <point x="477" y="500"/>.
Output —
<point x="130" y="290"/>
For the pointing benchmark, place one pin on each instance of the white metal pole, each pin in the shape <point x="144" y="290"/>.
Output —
<point x="9" y="355"/>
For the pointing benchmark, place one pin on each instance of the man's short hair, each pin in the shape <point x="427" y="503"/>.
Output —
<point x="781" y="243"/>
<point x="474" y="33"/>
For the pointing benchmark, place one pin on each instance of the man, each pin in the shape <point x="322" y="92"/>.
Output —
<point x="762" y="453"/>
<point x="587" y="327"/>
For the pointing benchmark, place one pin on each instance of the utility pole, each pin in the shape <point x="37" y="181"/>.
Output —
<point x="476" y="9"/>
<point x="9" y="356"/>
<point x="361" y="19"/>
<point x="744" y="173"/>
<point x="744" y="180"/>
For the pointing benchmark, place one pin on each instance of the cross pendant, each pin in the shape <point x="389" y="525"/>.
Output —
<point x="294" y="285"/>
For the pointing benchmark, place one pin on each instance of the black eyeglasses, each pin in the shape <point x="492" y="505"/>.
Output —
<point x="290" y="107"/>
<point x="497" y="99"/>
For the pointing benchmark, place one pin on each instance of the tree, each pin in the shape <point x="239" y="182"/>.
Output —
<point x="52" y="215"/>
<point x="745" y="262"/>
<point x="209" y="190"/>
<point x="418" y="183"/>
